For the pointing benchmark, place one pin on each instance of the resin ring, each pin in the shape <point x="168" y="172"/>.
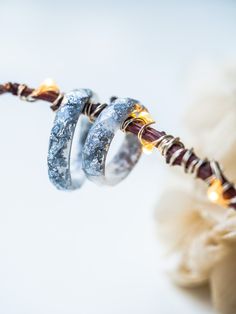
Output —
<point x="98" y="142"/>
<point x="64" y="173"/>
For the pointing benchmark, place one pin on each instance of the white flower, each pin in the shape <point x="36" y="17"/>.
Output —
<point x="202" y="236"/>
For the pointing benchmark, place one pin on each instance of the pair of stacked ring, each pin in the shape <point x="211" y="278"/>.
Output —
<point x="93" y="143"/>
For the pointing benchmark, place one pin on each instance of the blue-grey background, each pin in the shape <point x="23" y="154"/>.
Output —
<point x="96" y="251"/>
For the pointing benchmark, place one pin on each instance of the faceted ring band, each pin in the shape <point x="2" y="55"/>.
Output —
<point x="98" y="142"/>
<point x="64" y="173"/>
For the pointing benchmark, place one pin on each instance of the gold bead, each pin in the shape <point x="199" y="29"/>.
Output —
<point x="141" y="113"/>
<point x="147" y="147"/>
<point x="46" y="86"/>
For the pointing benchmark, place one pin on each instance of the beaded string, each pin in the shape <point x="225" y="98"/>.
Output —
<point x="220" y="190"/>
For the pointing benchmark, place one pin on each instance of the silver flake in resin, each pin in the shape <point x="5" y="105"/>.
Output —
<point x="64" y="173"/>
<point x="98" y="142"/>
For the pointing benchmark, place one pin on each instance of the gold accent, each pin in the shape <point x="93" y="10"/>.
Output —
<point x="48" y="85"/>
<point x="147" y="147"/>
<point x="141" y="113"/>
<point x="215" y="193"/>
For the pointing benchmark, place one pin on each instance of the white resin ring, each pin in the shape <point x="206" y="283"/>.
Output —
<point x="64" y="173"/>
<point x="98" y="143"/>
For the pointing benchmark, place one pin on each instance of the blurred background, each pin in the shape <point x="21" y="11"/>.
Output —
<point x="96" y="250"/>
